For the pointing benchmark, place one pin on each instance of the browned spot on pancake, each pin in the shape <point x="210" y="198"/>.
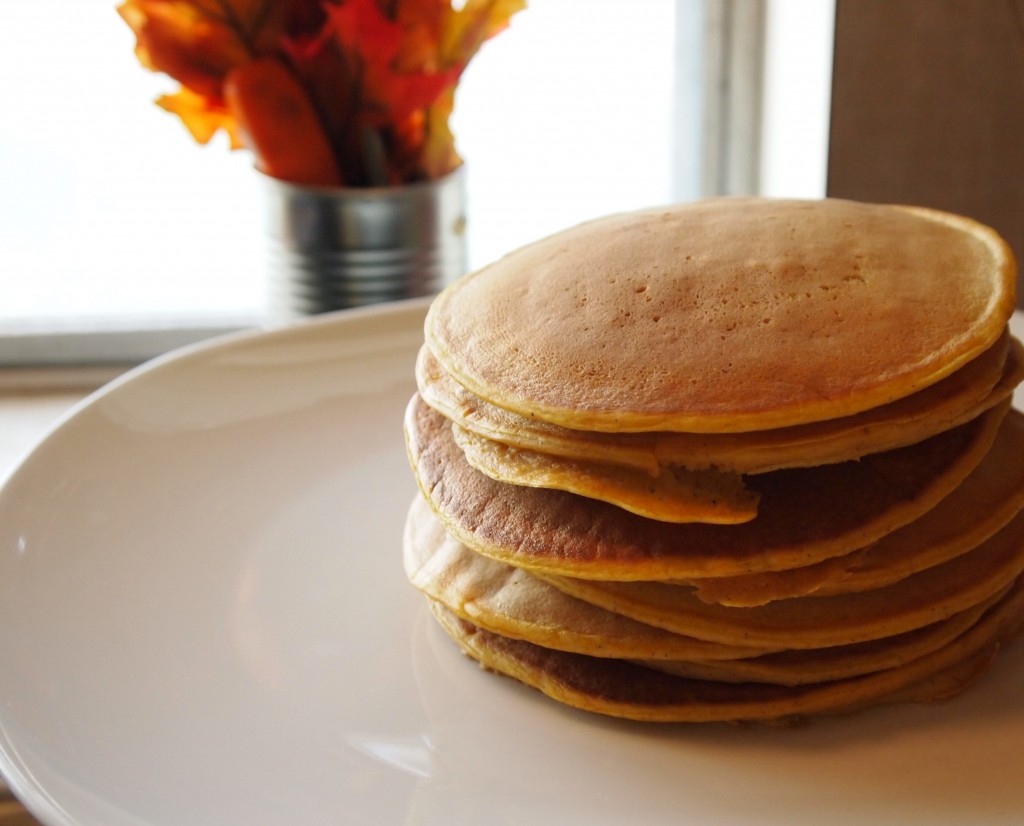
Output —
<point x="805" y="515"/>
<point x="989" y="498"/>
<point x="511" y="602"/>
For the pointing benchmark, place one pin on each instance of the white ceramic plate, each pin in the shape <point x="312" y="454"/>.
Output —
<point x="204" y="620"/>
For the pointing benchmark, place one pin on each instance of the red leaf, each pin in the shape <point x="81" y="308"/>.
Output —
<point x="389" y="94"/>
<point x="279" y="124"/>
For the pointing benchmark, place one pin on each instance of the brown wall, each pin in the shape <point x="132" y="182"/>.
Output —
<point x="928" y="108"/>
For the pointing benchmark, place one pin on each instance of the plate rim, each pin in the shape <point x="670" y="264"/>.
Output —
<point x="371" y="313"/>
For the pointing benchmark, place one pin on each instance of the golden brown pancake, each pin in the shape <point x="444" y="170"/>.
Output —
<point x="677" y="492"/>
<point x="511" y="602"/>
<point x="805" y="515"/>
<point x="673" y="495"/>
<point x="727" y="315"/>
<point x="989" y="498"/>
<point x="742" y="459"/>
<point x="926" y="597"/>
<point x="822" y="665"/>
<point x="974" y="388"/>
<point x="622" y="689"/>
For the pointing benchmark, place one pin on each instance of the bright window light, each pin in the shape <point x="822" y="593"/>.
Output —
<point x="110" y="212"/>
<point x="114" y="220"/>
<point x="113" y="217"/>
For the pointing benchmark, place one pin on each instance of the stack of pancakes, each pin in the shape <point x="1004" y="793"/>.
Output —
<point x="743" y="459"/>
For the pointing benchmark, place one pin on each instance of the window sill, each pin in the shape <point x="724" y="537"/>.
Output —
<point x="99" y="345"/>
<point x="13" y="813"/>
<point x="33" y="400"/>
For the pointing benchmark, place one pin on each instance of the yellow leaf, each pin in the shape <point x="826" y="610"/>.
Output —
<point x="467" y="29"/>
<point x="439" y="154"/>
<point x="202" y="118"/>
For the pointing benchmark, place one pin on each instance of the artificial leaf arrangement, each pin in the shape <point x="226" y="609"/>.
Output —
<point x="323" y="92"/>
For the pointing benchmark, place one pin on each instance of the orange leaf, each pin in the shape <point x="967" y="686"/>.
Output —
<point x="279" y="124"/>
<point x="180" y="39"/>
<point x="311" y="84"/>
<point x="201" y="117"/>
<point x="389" y="93"/>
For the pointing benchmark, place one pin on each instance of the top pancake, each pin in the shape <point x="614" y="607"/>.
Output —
<point x="726" y="315"/>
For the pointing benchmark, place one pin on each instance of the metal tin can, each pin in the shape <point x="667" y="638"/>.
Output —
<point x="334" y="248"/>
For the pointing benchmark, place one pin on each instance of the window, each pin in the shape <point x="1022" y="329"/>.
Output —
<point x="120" y="237"/>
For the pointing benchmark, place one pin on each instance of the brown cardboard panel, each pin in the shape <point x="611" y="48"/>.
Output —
<point x="928" y="108"/>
